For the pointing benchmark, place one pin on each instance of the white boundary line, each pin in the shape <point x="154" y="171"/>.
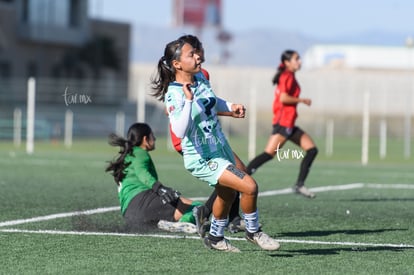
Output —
<point x="60" y="215"/>
<point x="86" y="233"/>
<point x="108" y="209"/>
<point x="314" y="189"/>
<point x="389" y="186"/>
<point x="261" y="194"/>
<point x="56" y="162"/>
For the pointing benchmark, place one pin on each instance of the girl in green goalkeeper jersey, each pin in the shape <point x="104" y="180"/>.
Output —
<point x="144" y="200"/>
<point x="192" y="109"/>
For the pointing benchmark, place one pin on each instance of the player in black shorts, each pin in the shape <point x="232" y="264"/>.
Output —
<point x="284" y="116"/>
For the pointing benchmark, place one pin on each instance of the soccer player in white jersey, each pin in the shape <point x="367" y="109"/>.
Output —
<point x="192" y="107"/>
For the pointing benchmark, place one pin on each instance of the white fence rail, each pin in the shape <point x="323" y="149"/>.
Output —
<point x="337" y="105"/>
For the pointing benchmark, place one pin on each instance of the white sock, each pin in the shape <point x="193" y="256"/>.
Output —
<point x="252" y="221"/>
<point x="217" y="227"/>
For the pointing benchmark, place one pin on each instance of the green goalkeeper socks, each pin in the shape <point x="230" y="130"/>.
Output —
<point x="188" y="215"/>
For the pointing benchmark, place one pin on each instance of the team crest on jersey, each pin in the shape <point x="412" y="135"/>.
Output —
<point x="213" y="165"/>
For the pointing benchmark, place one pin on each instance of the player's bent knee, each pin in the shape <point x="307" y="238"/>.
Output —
<point x="312" y="152"/>
<point x="271" y="153"/>
<point x="250" y="187"/>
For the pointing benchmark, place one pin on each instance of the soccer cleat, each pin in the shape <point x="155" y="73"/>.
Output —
<point x="202" y="224"/>
<point x="177" y="227"/>
<point x="263" y="240"/>
<point x="223" y="245"/>
<point x="236" y="225"/>
<point x="302" y="190"/>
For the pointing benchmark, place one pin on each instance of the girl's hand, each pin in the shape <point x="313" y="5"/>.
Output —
<point x="306" y="101"/>
<point x="187" y="91"/>
<point x="238" y="110"/>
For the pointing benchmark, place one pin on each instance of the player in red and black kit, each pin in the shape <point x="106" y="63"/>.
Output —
<point x="284" y="116"/>
<point x="201" y="213"/>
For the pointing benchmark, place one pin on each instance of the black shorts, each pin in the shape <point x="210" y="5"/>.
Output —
<point x="145" y="210"/>
<point x="293" y="134"/>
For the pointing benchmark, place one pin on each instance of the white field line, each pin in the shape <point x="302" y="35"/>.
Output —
<point x="85" y="233"/>
<point x="401" y="245"/>
<point x="314" y="189"/>
<point x="389" y="186"/>
<point x="261" y="194"/>
<point x="60" y="215"/>
<point x="56" y="162"/>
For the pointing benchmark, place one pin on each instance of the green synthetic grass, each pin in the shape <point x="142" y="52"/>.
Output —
<point x="59" y="180"/>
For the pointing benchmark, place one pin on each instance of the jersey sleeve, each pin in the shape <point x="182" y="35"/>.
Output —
<point x="179" y="112"/>
<point x="176" y="141"/>
<point x="223" y="106"/>
<point x="285" y="83"/>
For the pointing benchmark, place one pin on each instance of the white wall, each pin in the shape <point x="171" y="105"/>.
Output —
<point x="332" y="91"/>
<point x="367" y="57"/>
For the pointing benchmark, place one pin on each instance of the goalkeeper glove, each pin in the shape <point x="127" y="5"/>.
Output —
<point x="168" y="195"/>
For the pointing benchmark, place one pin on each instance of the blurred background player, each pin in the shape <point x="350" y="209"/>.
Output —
<point x="284" y="116"/>
<point x="192" y="108"/>
<point x="145" y="202"/>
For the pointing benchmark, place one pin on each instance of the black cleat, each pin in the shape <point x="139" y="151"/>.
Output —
<point x="202" y="223"/>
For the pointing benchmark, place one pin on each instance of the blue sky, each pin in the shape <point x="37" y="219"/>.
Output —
<point x="317" y="18"/>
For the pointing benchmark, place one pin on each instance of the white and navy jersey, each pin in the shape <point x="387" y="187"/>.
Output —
<point x="196" y="121"/>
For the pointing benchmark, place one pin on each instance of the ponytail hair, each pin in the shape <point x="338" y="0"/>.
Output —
<point x="286" y="56"/>
<point x="135" y="136"/>
<point x="165" y="70"/>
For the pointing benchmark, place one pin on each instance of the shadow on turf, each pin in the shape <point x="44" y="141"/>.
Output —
<point x="331" y="232"/>
<point x="335" y="251"/>
<point x="89" y="223"/>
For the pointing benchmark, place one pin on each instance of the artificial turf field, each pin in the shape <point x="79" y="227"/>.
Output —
<point x="59" y="215"/>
